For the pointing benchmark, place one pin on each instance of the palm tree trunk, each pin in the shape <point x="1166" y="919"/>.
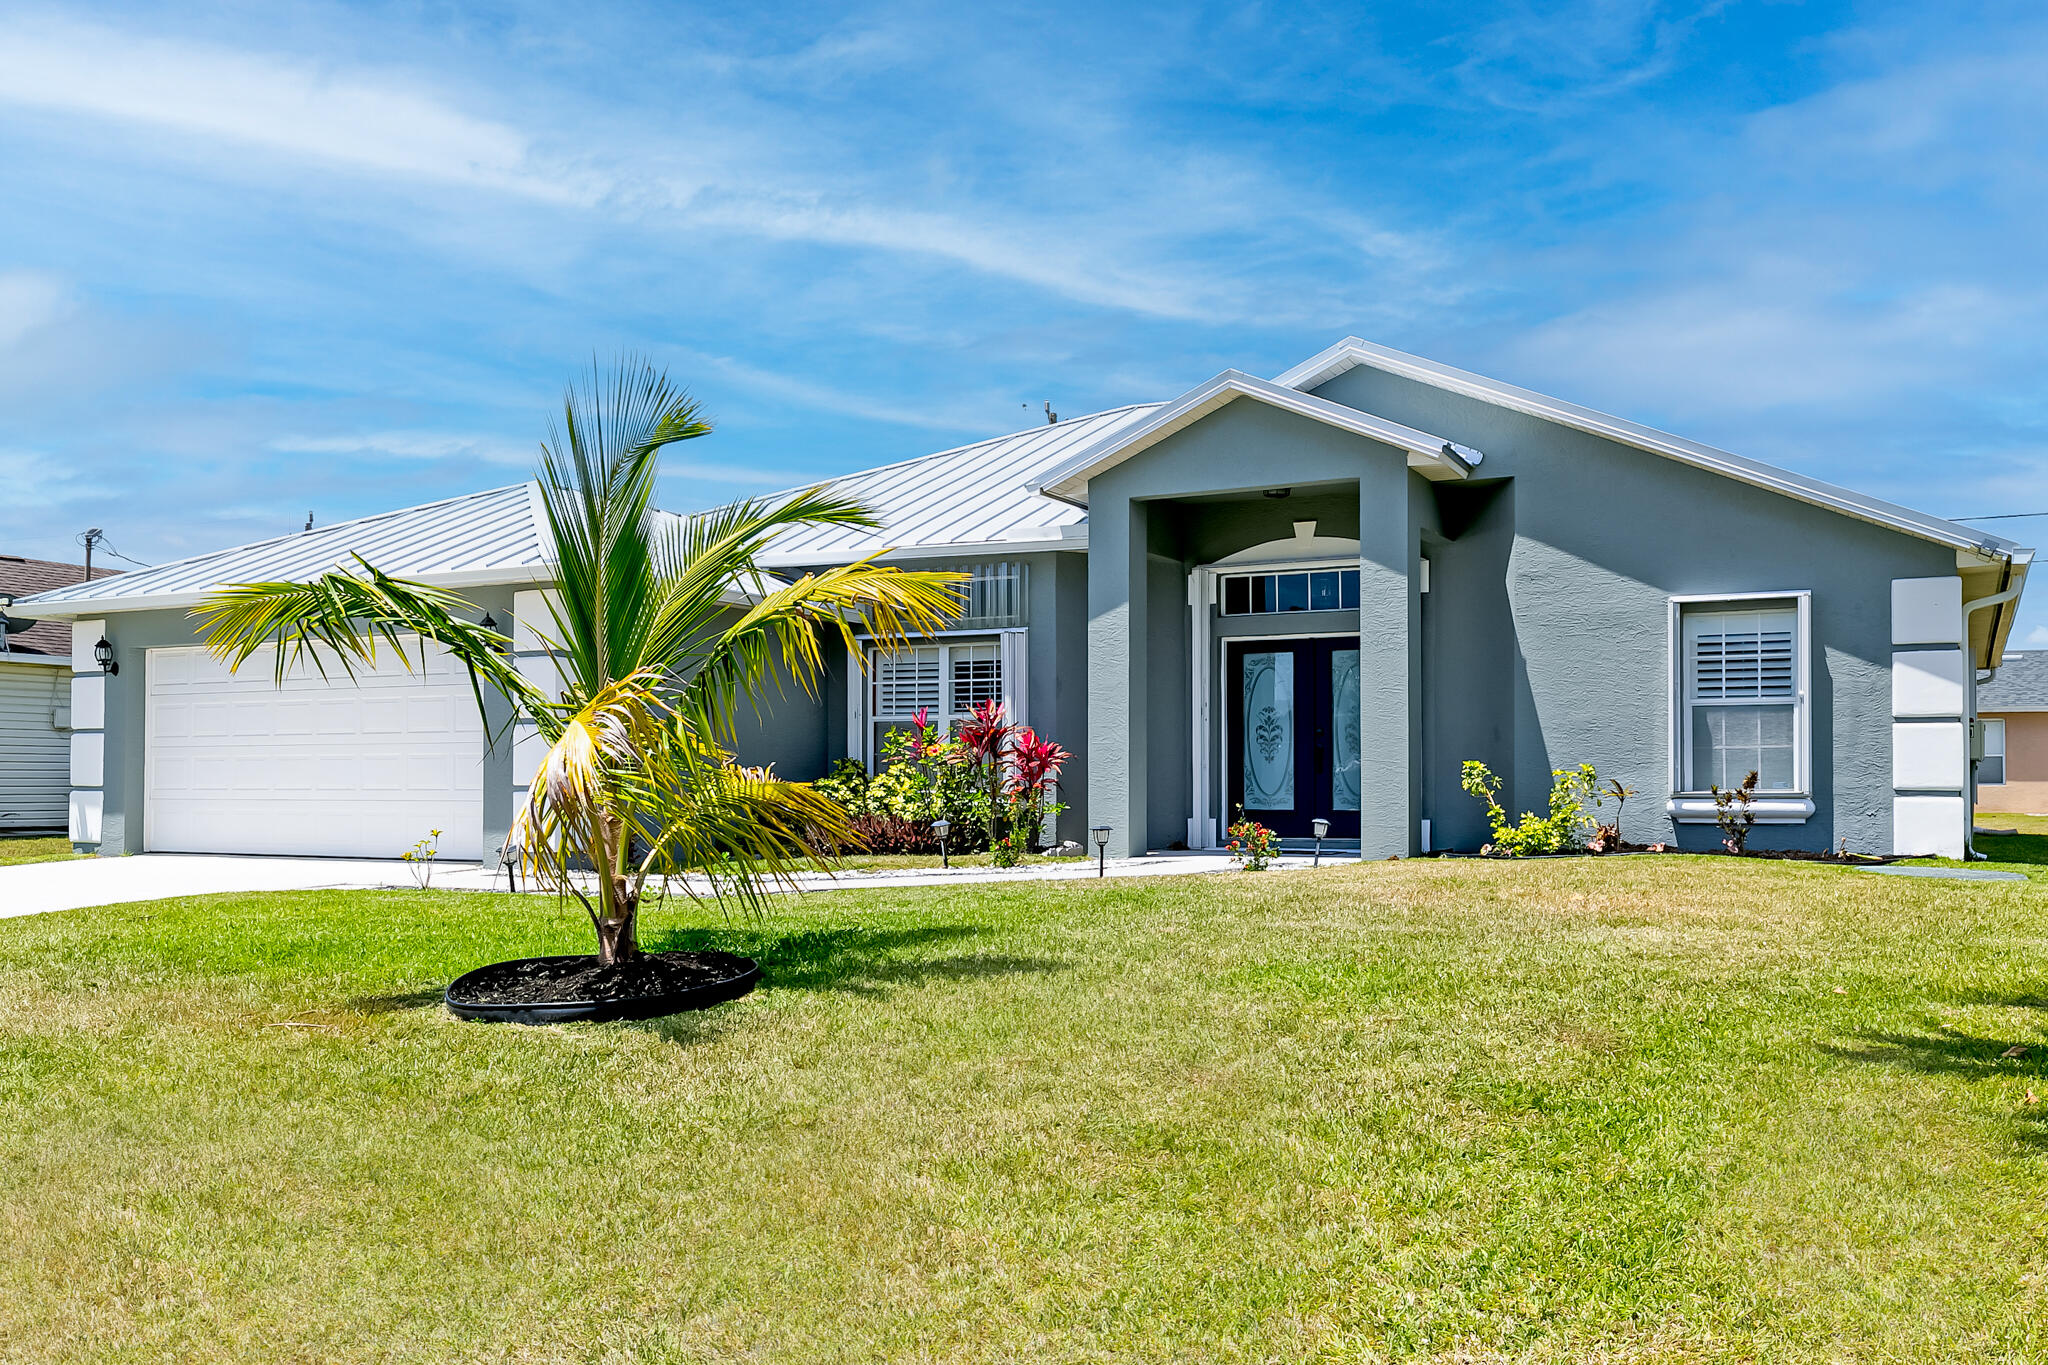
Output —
<point x="618" y="935"/>
<point x="618" y="929"/>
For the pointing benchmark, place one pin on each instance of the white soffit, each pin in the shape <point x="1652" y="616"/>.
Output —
<point x="1431" y="456"/>
<point x="1320" y="369"/>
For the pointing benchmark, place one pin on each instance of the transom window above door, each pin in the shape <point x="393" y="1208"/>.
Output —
<point x="1307" y="590"/>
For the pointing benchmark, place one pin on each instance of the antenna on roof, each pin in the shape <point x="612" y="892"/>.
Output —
<point x="309" y="518"/>
<point x="89" y="539"/>
<point x="1050" y="416"/>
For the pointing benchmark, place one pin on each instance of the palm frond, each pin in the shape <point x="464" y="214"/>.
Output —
<point x="789" y="623"/>
<point x="597" y="491"/>
<point x="343" y="617"/>
<point x="699" y="559"/>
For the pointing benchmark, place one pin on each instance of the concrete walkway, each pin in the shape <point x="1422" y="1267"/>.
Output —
<point x="35" y="888"/>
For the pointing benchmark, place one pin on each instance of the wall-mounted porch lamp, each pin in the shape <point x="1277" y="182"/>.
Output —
<point x="1322" y="829"/>
<point x="1101" y="833"/>
<point x="491" y="624"/>
<point x="942" y="828"/>
<point x="103" y="655"/>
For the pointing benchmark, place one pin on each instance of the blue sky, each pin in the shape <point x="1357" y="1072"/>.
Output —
<point x="261" y="258"/>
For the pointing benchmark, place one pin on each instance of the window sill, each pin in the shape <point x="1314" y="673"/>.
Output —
<point x="1692" y="808"/>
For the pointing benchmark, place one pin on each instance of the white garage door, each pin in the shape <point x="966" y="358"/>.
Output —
<point x="236" y="764"/>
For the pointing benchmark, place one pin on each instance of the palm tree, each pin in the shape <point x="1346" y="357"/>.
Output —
<point x="663" y="625"/>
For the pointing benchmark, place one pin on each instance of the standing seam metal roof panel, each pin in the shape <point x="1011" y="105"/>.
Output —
<point x="971" y="496"/>
<point x="477" y="532"/>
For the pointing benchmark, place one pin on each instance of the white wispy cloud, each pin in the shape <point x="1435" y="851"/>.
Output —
<point x="285" y="105"/>
<point x="1127" y="251"/>
<point x="29" y="301"/>
<point x="410" y="445"/>
<point x="951" y="415"/>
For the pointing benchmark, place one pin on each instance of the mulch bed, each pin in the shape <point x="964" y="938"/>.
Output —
<point x="557" y="989"/>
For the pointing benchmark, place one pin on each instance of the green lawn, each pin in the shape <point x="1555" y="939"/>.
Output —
<point x="1580" y="1109"/>
<point x="15" y="848"/>
<point x="2025" y="824"/>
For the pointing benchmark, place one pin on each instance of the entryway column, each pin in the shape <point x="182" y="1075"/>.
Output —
<point x="1118" y="676"/>
<point x="1390" y="661"/>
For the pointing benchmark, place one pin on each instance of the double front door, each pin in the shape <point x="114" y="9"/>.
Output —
<point x="1291" y="747"/>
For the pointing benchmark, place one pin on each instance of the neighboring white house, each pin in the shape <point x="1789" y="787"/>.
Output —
<point x="35" y="701"/>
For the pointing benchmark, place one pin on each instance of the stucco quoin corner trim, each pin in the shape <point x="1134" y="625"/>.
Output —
<point x="1431" y="456"/>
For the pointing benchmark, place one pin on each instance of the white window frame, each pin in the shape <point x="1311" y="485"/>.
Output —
<point x="1790" y="806"/>
<point x="1009" y="647"/>
<point x="1999" y="752"/>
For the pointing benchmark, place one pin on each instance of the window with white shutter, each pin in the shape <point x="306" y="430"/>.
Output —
<point x="906" y="682"/>
<point x="977" y="676"/>
<point x="1743" y="697"/>
<point x="946" y="681"/>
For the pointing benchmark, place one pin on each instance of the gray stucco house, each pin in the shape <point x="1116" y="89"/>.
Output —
<point x="1310" y="597"/>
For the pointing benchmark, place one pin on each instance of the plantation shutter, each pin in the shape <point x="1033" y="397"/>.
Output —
<point x="906" y="681"/>
<point x="977" y="676"/>
<point x="1743" y="655"/>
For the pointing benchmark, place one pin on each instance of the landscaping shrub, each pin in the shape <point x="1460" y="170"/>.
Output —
<point x="996" y="783"/>
<point x="1564" y="830"/>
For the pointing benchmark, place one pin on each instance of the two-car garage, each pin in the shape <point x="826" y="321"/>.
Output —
<point x="331" y="766"/>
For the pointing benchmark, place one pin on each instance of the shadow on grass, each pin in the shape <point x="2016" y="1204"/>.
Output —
<point x="855" y="959"/>
<point x="394" y="1004"/>
<point x="2014" y="848"/>
<point x="1950" y="1052"/>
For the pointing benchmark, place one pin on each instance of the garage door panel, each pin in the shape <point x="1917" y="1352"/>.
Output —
<point x="360" y="768"/>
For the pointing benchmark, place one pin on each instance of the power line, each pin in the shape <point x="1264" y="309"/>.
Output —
<point x="2001" y="516"/>
<point x="96" y="538"/>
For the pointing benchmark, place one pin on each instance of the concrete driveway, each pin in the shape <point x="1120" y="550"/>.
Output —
<point x="32" y="888"/>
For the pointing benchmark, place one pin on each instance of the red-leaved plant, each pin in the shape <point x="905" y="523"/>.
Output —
<point x="984" y="741"/>
<point x="1034" y="773"/>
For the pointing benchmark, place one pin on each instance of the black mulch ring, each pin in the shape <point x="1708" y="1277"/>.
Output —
<point x="554" y="990"/>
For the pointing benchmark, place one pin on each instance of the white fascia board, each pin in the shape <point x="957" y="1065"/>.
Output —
<point x="1326" y="365"/>
<point x="48" y="660"/>
<point x="1994" y="650"/>
<point x="96" y="607"/>
<point x="1432" y="456"/>
<point x="1023" y="540"/>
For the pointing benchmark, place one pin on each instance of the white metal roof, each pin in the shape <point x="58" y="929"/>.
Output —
<point x="1431" y="456"/>
<point x="1321" y="368"/>
<point x="488" y="537"/>
<point x="968" y="498"/>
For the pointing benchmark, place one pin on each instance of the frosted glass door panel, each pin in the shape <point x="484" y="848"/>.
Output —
<point x="1344" y="727"/>
<point x="1268" y="756"/>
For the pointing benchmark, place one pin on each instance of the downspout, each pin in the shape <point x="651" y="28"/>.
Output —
<point x="1970" y="853"/>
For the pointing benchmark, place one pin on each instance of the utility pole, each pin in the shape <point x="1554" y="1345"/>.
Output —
<point x="89" y="539"/>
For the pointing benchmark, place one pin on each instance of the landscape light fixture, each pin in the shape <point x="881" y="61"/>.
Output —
<point x="1322" y="829"/>
<point x="103" y="655"/>
<point x="1101" y="833"/>
<point x="942" y="828"/>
